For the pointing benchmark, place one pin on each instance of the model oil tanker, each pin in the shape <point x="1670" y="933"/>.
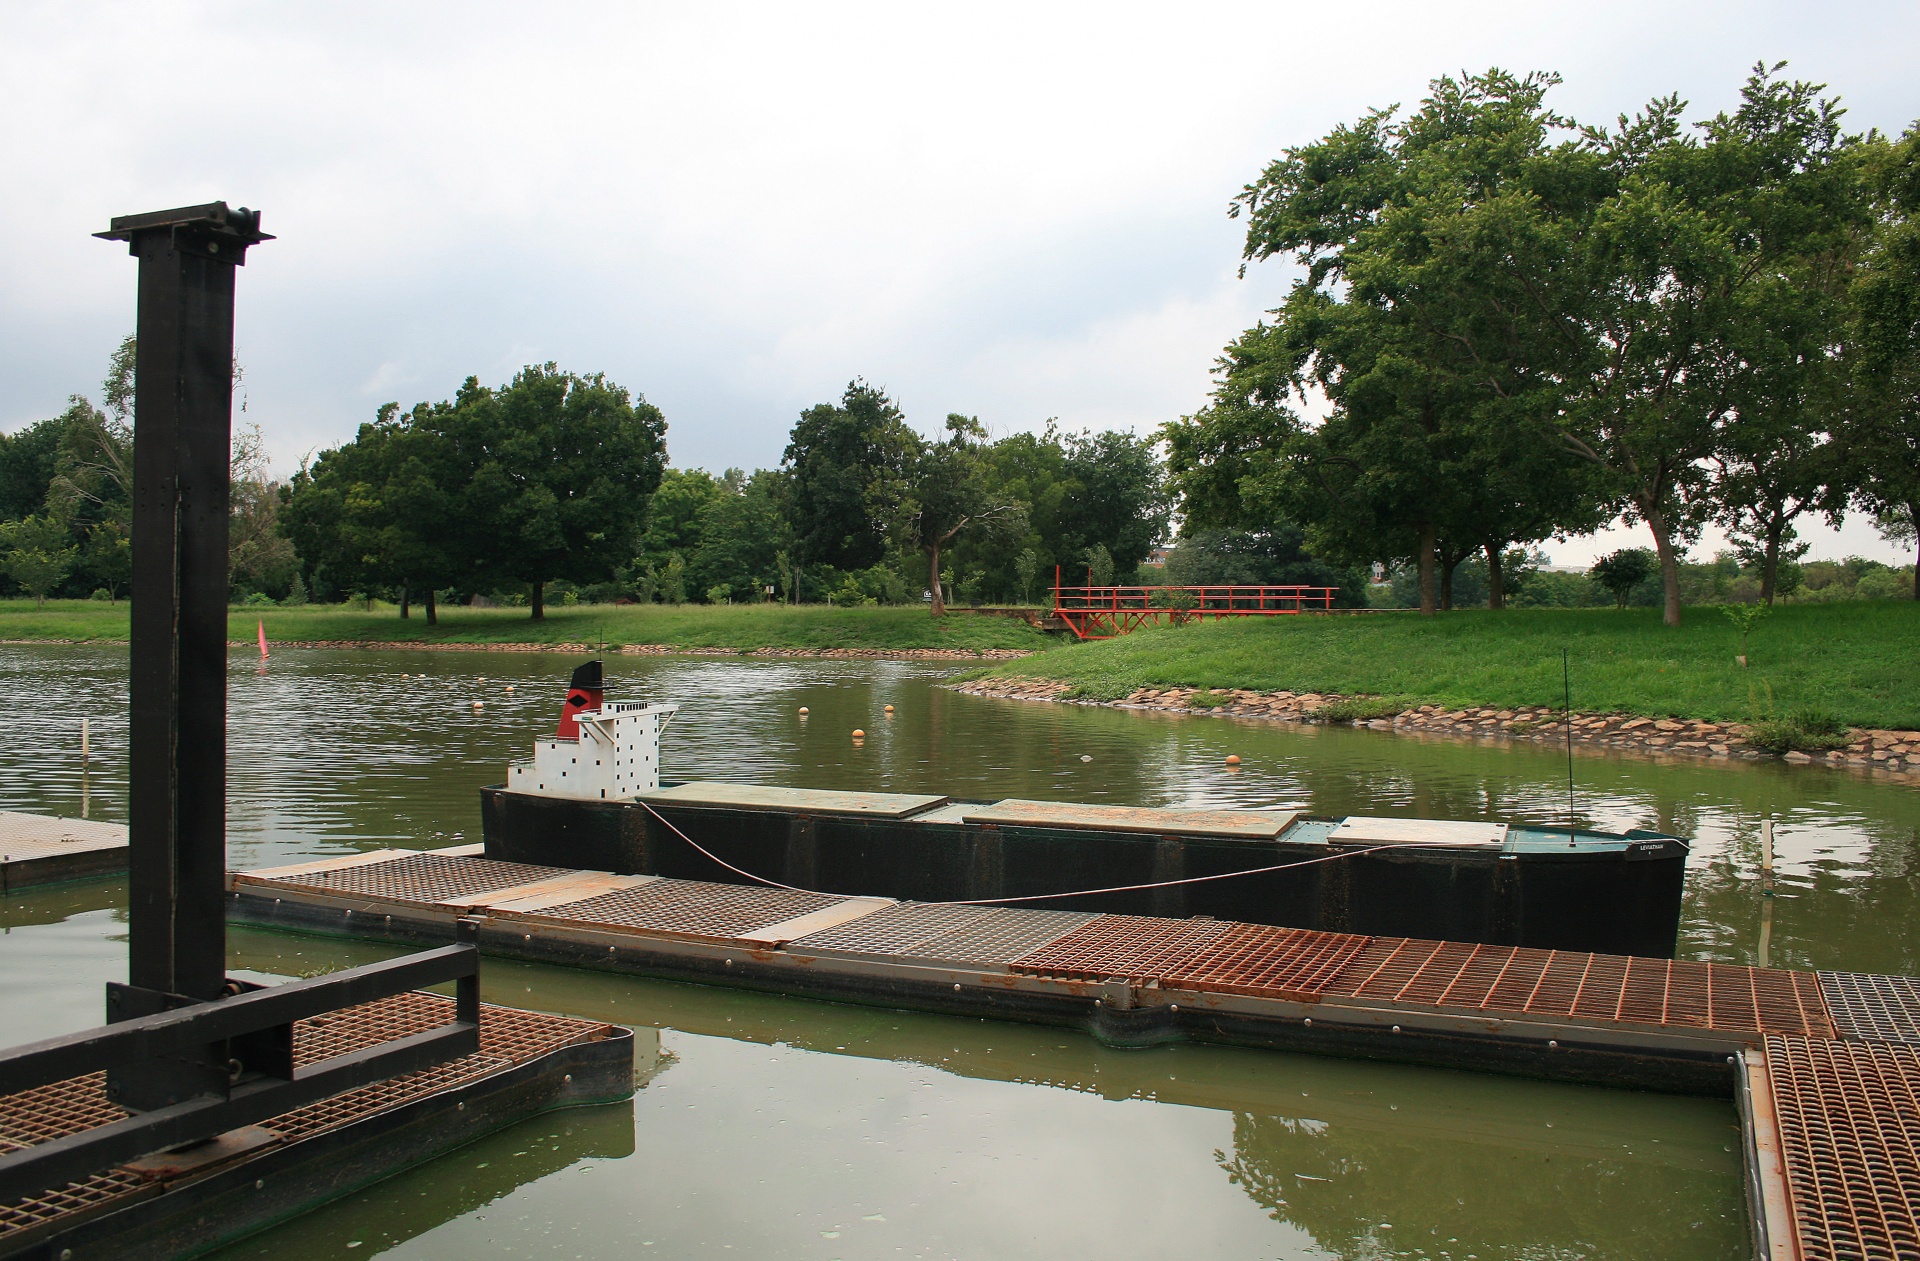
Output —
<point x="592" y="797"/>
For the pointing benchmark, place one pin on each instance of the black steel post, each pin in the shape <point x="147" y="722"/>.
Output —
<point x="178" y="693"/>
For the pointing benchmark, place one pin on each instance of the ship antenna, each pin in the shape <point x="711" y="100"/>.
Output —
<point x="1566" y="688"/>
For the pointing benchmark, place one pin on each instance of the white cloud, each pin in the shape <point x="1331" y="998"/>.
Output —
<point x="1014" y="210"/>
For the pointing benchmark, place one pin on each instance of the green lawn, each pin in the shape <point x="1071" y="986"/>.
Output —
<point x="684" y="626"/>
<point x="1857" y="661"/>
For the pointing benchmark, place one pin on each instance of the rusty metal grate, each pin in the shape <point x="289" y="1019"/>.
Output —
<point x="1137" y="948"/>
<point x="1849" y="1118"/>
<point x="893" y="930"/>
<point x="423" y="878"/>
<point x="1869" y="1008"/>
<point x="692" y="908"/>
<point x="1267" y="962"/>
<point x="997" y="939"/>
<point x="507" y="1036"/>
<point x="1601" y="987"/>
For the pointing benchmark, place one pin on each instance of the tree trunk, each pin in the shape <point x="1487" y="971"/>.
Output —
<point x="1770" y="566"/>
<point x="1496" y="578"/>
<point x="1913" y="515"/>
<point x="433" y="613"/>
<point x="1669" y="562"/>
<point x="404" y="613"/>
<point x="538" y="598"/>
<point x="933" y="580"/>
<point x="1428" y="603"/>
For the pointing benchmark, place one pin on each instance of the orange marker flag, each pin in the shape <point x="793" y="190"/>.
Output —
<point x="263" y="639"/>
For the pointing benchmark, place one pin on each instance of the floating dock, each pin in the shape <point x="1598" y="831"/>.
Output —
<point x="1826" y="1065"/>
<point x="41" y="849"/>
<point x="187" y="1202"/>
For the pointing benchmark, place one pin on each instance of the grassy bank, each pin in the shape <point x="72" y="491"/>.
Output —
<point x="743" y="626"/>
<point x="1858" y="662"/>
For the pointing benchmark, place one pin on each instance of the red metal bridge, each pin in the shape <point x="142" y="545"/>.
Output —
<point x="1105" y="612"/>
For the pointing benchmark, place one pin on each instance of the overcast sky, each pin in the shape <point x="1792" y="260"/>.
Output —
<point x="1016" y="211"/>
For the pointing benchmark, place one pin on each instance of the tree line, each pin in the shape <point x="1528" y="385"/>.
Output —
<point x="1515" y="326"/>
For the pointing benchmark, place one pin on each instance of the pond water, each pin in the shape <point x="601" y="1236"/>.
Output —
<point x="787" y="1128"/>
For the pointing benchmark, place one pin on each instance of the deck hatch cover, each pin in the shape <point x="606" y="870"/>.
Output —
<point x="1869" y="1008"/>
<point x="1675" y="992"/>
<point x="423" y="878"/>
<point x="715" y="795"/>
<point x="1849" y="1126"/>
<point x="896" y="930"/>
<point x="1250" y="825"/>
<point x="1136" y="948"/>
<point x="1268" y="962"/>
<point x="693" y="908"/>
<point x="997" y="939"/>
<point x="1361" y="830"/>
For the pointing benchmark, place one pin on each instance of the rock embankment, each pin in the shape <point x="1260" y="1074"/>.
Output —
<point x="1889" y="750"/>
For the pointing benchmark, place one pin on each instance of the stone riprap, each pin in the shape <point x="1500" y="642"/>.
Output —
<point x="1871" y="749"/>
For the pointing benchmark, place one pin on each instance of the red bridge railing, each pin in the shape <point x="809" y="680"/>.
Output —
<point x="1104" y="612"/>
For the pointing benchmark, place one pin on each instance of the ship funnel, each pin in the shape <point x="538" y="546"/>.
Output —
<point x="586" y="692"/>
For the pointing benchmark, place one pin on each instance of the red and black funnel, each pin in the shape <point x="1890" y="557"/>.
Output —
<point x="586" y="691"/>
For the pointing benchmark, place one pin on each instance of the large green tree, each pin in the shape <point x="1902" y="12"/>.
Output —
<point x="844" y="463"/>
<point x="1879" y="436"/>
<point x="563" y="465"/>
<point x="945" y="490"/>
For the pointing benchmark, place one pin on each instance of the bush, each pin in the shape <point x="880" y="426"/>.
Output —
<point x="101" y="593"/>
<point x="1360" y="709"/>
<point x="1809" y="731"/>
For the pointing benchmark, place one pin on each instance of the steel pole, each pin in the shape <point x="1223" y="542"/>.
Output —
<point x="177" y="743"/>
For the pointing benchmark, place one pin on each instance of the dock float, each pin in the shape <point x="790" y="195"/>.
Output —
<point x="1825" y="1065"/>
<point x="183" y="1203"/>
<point x="42" y="849"/>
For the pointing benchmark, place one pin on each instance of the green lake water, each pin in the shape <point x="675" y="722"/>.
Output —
<point x="782" y="1128"/>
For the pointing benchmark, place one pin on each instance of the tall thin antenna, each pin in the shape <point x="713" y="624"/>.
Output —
<point x="1566" y="688"/>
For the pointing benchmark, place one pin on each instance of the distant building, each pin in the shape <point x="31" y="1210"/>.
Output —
<point x="1156" y="559"/>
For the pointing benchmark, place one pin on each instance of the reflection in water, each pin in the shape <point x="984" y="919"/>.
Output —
<point x="789" y="1128"/>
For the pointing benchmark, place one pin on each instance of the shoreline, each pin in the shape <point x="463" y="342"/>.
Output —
<point x="623" y="650"/>
<point x="1890" y="751"/>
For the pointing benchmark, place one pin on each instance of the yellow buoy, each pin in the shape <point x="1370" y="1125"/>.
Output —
<point x="859" y="734"/>
<point x="889" y="709"/>
<point x="803" y="711"/>
<point x="1233" y="759"/>
<point x="509" y="687"/>
<point x="477" y="705"/>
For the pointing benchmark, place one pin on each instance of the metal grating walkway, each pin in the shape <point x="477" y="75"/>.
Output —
<point x="1136" y="948"/>
<point x="1267" y="962"/>
<point x="1849" y="1124"/>
<point x="1598" y="987"/>
<point x="1000" y="937"/>
<point x="693" y="908"/>
<point x="507" y="1037"/>
<point x="1869" y="1008"/>
<point x="423" y="878"/>
<point x="894" y="930"/>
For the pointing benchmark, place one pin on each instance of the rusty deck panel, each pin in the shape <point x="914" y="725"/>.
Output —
<point x="1869" y="1008"/>
<point x="1849" y="1133"/>
<point x="1136" y="948"/>
<point x="1673" y="993"/>
<point x="692" y="908"/>
<point x="1267" y="962"/>
<point x="420" y="878"/>
<point x="507" y="1037"/>
<point x="793" y="800"/>
<point x="1249" y="825"/>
